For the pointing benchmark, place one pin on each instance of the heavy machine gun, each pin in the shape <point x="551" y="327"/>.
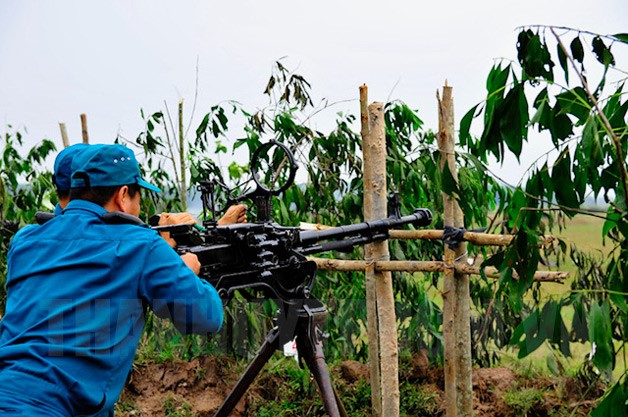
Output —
<point x="267" y="260"/>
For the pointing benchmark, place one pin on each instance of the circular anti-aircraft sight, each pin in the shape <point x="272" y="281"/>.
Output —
<point x="273" y="167"/>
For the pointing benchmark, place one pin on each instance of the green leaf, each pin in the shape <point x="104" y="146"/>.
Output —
<point x="465" y="126"/>
<point x="616" y="111"/>
<point x="554" y="327"/>
<point x="622" y="37"/>
<point x="449" y="184"/>
<point x="220" y="148"/>
<point x="534" y="56"/>
<point x="561" y="126"/>
<point x="602" y="52"/>
<point x="601" y="335"/>
<point x="618" y="282"/>
<point x="193" y="172"/>
<point x="491" y="139"/>
<point x="544" y="114"/>
<point x="533" y="337"/>
<point x="514" y="118"/>
<point x="202" y="126"/>
<point x="612" y="218"/>
<point x="577" y="51"/>
<point x="591" y="146"/>
<point x="496" y="79"/>
<point x="575" y="102"/>
<point x="561" y="178"/>
<point x="235" y="170"/>
<point x="579" y="328"/>
<point x="614" y="402"/>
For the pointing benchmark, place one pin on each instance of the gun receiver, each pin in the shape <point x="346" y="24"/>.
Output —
<point x="270" y="257"/>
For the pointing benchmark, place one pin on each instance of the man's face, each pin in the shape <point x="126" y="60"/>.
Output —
<point x="135" y="204"/>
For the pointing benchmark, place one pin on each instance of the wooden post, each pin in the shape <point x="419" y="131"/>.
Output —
<point x="375" y="207"/>
<point x="84" y="128"/>
<point x="464" y="365"/>
<point x="371" y="296"/>
<point x="445" y="146"/>
<point x="456" y="297"/>
<point x="64" y="135"/>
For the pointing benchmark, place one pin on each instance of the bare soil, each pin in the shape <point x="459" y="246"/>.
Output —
<point x="198" y="387"/>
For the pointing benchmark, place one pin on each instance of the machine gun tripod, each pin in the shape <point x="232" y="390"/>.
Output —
<point x="265" y="257"/>
<point x="309" y="340"/>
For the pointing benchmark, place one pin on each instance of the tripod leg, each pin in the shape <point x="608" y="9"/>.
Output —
<point x="267" y="349"/>
<point x="312" y="354"/>
<point x="341" y="406"/>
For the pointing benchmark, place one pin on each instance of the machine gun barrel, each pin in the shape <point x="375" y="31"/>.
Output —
<point x="346" y="237"/>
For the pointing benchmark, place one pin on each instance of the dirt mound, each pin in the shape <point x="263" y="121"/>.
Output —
<point x="489" y="387"/>
<point x="198" y="387"/>
<point x="353" y="371"/>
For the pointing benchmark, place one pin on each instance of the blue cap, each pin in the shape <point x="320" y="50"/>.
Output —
<point x="107" y="166"/>
<point x="62" y="177"/>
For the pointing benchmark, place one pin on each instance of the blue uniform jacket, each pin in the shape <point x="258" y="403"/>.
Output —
<point x="76" y="292"/>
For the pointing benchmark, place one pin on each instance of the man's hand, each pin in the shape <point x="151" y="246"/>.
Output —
<point x="191" y="260"/>
<point x="234" y="214"/>
<point x="169" y="219"/>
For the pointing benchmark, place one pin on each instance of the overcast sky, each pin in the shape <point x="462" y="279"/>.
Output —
<point x="108" y="59"/>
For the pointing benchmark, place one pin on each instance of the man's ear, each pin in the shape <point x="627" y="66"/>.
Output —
<point x="120" y="198"/>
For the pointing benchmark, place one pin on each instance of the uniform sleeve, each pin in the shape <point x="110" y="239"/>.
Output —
<point x="173" y="291"/>
<point x="15" y="242"/>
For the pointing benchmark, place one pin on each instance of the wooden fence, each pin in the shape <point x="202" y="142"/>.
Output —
<point x="383" y="353"/>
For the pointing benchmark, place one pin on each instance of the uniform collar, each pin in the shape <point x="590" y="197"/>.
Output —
<point x="83" y="205"/>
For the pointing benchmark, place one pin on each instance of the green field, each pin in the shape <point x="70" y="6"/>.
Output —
<point x="586" y="233"/>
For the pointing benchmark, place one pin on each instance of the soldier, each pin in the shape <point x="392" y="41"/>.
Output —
<point x="77" y="287"/>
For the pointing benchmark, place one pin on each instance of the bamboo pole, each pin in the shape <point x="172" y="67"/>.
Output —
<point x="477" y="239"/>
<point x="84" y="128"/>
<point x="371" y="296"/>
<point x="64" y="135"/>
<point x="184" y="198"/>
<point x="429" y="266"/>
<point x="375" y="205"/>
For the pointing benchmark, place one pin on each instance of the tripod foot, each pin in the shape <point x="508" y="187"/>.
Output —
<point x="265" y="352"/>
